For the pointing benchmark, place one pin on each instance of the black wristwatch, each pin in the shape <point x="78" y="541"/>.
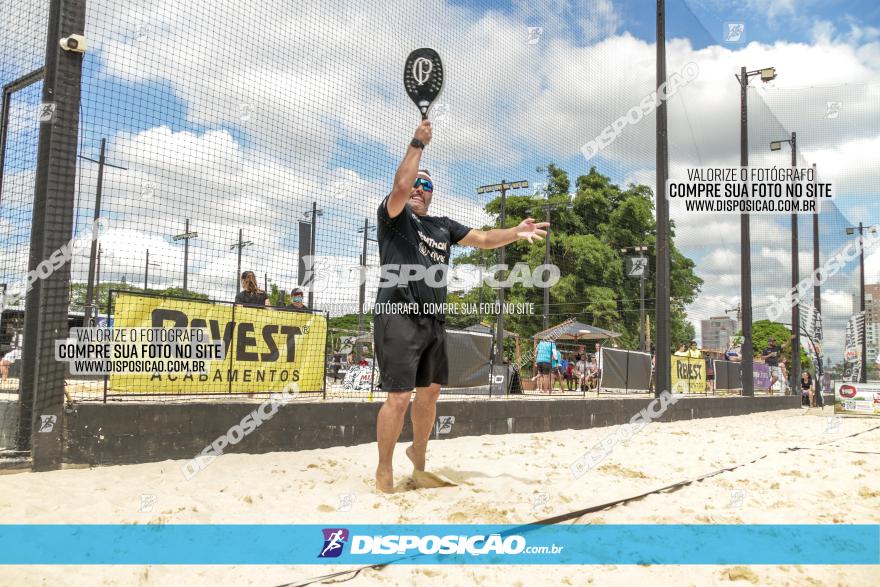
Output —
<point x="417" y="143"/>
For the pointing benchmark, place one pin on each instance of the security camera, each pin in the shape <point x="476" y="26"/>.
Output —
<point x="76" y="43"/>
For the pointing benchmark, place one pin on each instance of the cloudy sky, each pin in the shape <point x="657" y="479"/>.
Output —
<point x="238" y="115"/>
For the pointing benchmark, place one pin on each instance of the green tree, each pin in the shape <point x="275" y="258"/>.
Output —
<point x="588" y="230"/>
<point x="102" y="294"/>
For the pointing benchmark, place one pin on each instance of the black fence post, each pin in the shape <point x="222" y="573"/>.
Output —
<point x="46" y="315"/>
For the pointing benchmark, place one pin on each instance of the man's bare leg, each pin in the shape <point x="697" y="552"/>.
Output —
<point x="424" y="414"/>
<point x="389" y="423"/>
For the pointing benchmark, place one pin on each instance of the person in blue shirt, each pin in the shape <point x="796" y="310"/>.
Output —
<point x="544" y="358"/>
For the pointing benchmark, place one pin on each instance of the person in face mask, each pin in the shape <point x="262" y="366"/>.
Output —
<point x="296" y="301"/>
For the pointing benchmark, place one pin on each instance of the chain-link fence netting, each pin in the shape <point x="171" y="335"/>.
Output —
<point x="217" y="140"/>
<point x="23" y="49"/>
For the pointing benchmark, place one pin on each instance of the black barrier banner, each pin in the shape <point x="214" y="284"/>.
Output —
<point x="624" y="370"/>
<point x="638" y="372"/>
<point x="728" y="375"/>
<point x="468" y="354"/>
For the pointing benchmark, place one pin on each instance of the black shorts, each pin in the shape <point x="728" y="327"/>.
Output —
<point x="544" y="368"/>
<point x="410" y="351"/>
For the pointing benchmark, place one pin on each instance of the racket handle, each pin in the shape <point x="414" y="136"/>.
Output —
<point x="424" y="116"/>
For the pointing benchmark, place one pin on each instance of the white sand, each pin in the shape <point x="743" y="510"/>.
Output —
<point x="503" y="479"/>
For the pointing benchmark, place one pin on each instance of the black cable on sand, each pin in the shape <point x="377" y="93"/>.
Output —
<point x="582" y="512"/>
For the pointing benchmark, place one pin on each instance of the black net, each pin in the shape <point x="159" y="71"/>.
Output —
<point x="218" y="139"/>
<point x="23" y="49"/>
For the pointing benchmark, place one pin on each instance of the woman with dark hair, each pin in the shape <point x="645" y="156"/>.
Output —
<point x="251" y="294"/>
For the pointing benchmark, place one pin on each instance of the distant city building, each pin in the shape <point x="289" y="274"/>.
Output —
<point x="872" y="320"/>
<point x="717" y="332"/>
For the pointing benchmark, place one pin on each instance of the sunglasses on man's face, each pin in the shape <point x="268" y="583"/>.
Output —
<point x="425" y="184"/>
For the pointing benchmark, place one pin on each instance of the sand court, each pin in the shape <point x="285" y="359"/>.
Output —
<point x="833" y="478"/>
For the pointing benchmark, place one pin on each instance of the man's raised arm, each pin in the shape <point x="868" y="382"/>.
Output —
<point x="408" y="170"/>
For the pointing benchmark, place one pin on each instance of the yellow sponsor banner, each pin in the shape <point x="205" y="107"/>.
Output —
<point x="266" y="349"/>
<point x="688" y="375"/>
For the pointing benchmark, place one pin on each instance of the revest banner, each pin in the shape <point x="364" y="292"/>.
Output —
<point x="266" y="349"/>
<point x="858" y="399"/>
<point x="688" y="375"/>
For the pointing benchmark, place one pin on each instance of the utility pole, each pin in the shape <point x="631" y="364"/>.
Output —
<point x="795" y="275"/>
<point x="817" y="296"/>
<point x="185" y="236"/>
<point x="240" y="245"/>
<point x="362" y="293"/>
<point x="147" y="266"/>
<point x="90" y="309"/>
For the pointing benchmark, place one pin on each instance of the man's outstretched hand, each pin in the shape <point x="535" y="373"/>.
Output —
<point x="529" y="230"/>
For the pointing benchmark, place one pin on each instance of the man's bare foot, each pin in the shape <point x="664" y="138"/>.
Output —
<point x="385" y="480"/>
<point x="418" y="464"/>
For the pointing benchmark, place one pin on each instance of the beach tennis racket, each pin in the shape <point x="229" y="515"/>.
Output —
<point x="423" y="78"/>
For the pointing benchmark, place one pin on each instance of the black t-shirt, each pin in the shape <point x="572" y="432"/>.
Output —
<point x="806" y="385"/>
<point x="408" y="239"/>
<point x="255" y="299"/>
<point x="772" y="361"/>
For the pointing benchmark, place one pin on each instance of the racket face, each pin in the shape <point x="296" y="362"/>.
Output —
<point x="423" y="78"/>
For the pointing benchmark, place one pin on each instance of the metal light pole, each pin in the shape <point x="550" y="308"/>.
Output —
<point x="863" y="375"/>
<point x="795" y="275"/>
<point x="502" y="187"/>
<point x="662" y="292"/>
<point x="747" y="350"/>
<point x="313" y="213"/>
<point x="641" y="249"/>
<point x="185" y="236"/>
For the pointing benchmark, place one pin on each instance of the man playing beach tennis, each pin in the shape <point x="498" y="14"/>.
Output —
<point x="409" y="333"/>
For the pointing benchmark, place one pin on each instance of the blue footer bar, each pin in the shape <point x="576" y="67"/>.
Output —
<point x="100" y="544"/>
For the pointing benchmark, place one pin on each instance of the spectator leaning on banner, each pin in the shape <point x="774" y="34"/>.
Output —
<point x="681" y="351"/>
<point x="251" y="294"/>
<point x="296" y="301"/>
<point x="694" y="352"/>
